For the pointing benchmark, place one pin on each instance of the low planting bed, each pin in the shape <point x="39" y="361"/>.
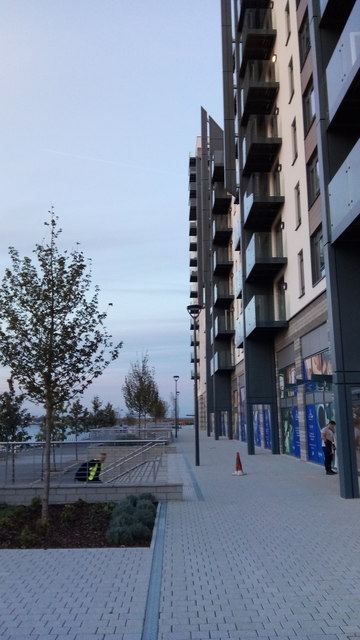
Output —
<point x="128" y="523"/>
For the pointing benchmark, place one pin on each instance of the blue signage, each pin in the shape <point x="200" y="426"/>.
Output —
<point x="267" y="428"/>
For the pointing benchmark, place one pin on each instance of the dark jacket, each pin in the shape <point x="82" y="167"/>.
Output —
<point x="89" y="471"/>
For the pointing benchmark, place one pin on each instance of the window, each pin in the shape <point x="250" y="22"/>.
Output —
<point x="297" y="206"/>
<point x="287" y="22"/>
<point x="301" y="273"/>
<point x="309" y="106"/>
<point x="304" y="39"/>
<point x="291" y="79"/>
<point x="313" y="179"/>
<point x="294" y="140"/>
<point x="317" y="256"/>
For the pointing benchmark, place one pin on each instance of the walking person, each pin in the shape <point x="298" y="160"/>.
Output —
<point x="328" y="445"/>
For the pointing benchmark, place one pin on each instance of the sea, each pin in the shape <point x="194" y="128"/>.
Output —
<point x="33" y="430"/>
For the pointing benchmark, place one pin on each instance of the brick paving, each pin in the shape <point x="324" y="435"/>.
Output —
<point x="272" y="555"/>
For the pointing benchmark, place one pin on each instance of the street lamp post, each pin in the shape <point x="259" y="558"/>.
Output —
<point x="176" y="378"/>
<point x="194" y="311"/>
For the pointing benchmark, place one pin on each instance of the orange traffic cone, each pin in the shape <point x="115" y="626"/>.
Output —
<point x="238" y="466"/>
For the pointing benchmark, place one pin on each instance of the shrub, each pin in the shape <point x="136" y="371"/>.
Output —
<point x="27" y="538"/>
<point x="139" y="532"/>
<point x="132" y="520"/>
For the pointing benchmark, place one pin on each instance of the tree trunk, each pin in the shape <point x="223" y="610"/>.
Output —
<point x="47" y="451"/>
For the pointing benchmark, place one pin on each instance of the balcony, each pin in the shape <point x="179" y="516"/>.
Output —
<point x="192" y="244"/>
<point x="262" y="264"/>
<point x="221" y="199"/>
<point x="262" y="201"/>
<point x="250" y="4"/>
<point x="192" y="208"/>
<point x="193" y="375"/>
<point x="237" y="232"/>
<point x="217" y="169"/>
<point x="193" y="276"/>
<point x="223" y="295"/>
<point x="258" y="36"/>
<point x="344" y="197"/>
<point x="264" y="317"/>
<point x="222" y="361"/>
<point x="192" y="164"/>
<point x="224" y="326"/>
<point x="239" y="332"/>
<point x="193" y="261"/>
<point x="193" y="229"/>
<point x="259" y="90"/>
<point x="192" y="189"/>
<point x="238" y="282"/>
<point x="261" y="144"/>
<point x="222" y="262"/>
<point x="221" y="232"/>
<point x="193" y="291"/>
<point x="343" y="76"/>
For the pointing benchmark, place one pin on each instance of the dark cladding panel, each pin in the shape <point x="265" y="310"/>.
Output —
<point x="228" y="92"/>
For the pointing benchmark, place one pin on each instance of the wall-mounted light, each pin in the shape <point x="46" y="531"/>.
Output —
<point x="279" y="168"/>
<point x="282" y="225"/>
<point x="273" y="57"/>
<point x="283" y="286"/>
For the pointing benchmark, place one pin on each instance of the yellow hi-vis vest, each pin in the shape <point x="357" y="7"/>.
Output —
<point x="93" y="470"/>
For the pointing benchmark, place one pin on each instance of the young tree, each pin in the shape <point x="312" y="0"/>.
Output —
<point x="95" y="414"/>
<point x="77" y="420"/>
<point x="101" y="417"/>
<point x="159" y="409"/>
<point x="140" y="389"/>
<point x="52" y="337"/>
<point x="108" y="416"/>
<point x="13" y="419"/>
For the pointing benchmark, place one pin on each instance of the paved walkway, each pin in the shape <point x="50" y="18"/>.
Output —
<point x="274" y="554"/>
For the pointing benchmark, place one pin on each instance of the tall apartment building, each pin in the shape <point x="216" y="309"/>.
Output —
<point x="275" y="232"/>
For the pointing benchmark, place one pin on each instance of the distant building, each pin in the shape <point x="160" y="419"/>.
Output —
<point x="274" y="216"/>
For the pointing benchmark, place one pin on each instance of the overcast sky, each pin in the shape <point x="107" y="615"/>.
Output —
<point x="100" y="109"/>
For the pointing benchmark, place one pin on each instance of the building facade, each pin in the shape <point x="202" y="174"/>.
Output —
<point x="275" y="232"/>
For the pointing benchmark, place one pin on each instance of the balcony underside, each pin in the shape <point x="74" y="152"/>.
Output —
<point x="192" y="209"/>
<point x="223" y="301"/>
<point x="222" y="237"/>
<point x="193" y="243"/>
<point x="262" y="212"/>
<point x="259" y="99"/>
<point x="261" y="155"/>
<point x="258" y="44"/>
<point x="223" y="268"/>
<point x="265" y="270"/>
<point x="266" y="328"/>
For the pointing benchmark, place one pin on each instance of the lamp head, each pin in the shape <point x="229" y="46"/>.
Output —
<point x="194" y="310"/>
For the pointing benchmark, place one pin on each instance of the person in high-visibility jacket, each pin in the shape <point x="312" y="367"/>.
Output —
<point x="90" y="471"/>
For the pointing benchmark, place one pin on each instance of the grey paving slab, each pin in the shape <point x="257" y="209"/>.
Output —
<point x="273" y="554"/>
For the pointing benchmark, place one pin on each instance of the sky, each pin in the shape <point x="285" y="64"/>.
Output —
<point x="100" y="109"/>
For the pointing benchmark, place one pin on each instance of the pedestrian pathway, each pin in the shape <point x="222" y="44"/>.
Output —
<point x="273" y="554"/>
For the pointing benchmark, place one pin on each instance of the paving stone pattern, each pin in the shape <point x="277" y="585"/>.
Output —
<point x="272" y="555"/>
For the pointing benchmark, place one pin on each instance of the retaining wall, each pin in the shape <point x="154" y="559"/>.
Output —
<point x="66" y="494"/>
